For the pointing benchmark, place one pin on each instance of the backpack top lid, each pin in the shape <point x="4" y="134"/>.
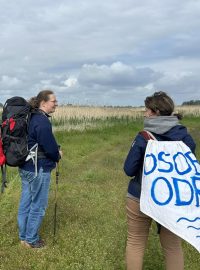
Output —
<point x="15" y="106"/>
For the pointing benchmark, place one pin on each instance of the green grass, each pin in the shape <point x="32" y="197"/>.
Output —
<point x="91" y="220"/>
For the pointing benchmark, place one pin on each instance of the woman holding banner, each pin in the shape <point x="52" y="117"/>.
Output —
<point x="164" y="126"/>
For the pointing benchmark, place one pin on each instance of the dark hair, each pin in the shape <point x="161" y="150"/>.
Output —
<point x="42" y="96"/>
<point x="160" y="103"/>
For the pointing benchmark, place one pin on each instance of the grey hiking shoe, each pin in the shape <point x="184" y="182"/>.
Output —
<point x="38" y="244"/>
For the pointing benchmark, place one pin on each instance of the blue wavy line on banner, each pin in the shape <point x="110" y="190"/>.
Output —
<point x="192" y="227"/>
<point x="190" y="220"/>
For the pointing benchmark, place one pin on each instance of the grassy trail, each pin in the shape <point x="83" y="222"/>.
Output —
<point x="91" y="221"/>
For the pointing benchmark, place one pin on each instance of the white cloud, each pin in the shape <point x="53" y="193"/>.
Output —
<point x="116" y="75"/>
<point x="70" y="82"/>
<point x="7" y="81"/>
<point x="86" y="48"/>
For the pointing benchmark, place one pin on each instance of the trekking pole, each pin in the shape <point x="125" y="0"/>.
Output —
<point x="4" y="182"/>
<point x="55" y="207"/>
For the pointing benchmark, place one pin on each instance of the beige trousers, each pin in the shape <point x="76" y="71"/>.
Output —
<point x="138" y="231"/>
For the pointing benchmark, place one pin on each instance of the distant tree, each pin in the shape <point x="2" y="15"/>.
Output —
<point x="1" y="105"/>
<point x="191" y="102"/>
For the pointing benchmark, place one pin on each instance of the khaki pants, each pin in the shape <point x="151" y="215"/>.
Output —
<point x="138" y="231"/>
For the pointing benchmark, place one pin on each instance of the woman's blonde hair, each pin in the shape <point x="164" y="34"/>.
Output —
<point x="42" y="96"/>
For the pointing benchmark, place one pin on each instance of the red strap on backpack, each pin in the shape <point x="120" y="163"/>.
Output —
<point x="12" y="123"/>
<point x="2" y="156"/>
<point x="3" y="167"/>
<point x="147" y="135"/>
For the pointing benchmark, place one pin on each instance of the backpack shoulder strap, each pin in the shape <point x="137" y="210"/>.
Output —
<point x="147" y="135"/>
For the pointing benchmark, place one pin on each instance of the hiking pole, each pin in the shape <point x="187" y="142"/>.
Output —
<point x="4" y="182"/>
<point x="55" y="207"/>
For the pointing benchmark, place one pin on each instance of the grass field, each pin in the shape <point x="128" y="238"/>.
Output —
<point x="91" y="221"/>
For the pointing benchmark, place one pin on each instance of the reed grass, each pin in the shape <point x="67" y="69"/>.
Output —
<point x="87" y="117"/>
<point x="69" y="117"/>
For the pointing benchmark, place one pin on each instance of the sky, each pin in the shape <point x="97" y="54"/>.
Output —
<point x="92" y="52"/>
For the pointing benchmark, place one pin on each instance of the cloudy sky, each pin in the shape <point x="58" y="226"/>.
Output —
<point x="100" y="52"/>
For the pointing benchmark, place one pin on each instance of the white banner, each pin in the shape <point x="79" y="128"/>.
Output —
<point x="171" y="188"/>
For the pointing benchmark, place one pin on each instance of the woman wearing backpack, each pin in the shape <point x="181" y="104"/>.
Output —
<point x="160" y="121"/>
<point x="36" y="173"/>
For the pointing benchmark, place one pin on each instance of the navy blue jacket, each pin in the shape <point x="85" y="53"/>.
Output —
<point x="134" y="162"/>
<point x="40" y="131"/>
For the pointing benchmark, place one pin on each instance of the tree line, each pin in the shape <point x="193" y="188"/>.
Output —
<point x="191" y="102"/>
